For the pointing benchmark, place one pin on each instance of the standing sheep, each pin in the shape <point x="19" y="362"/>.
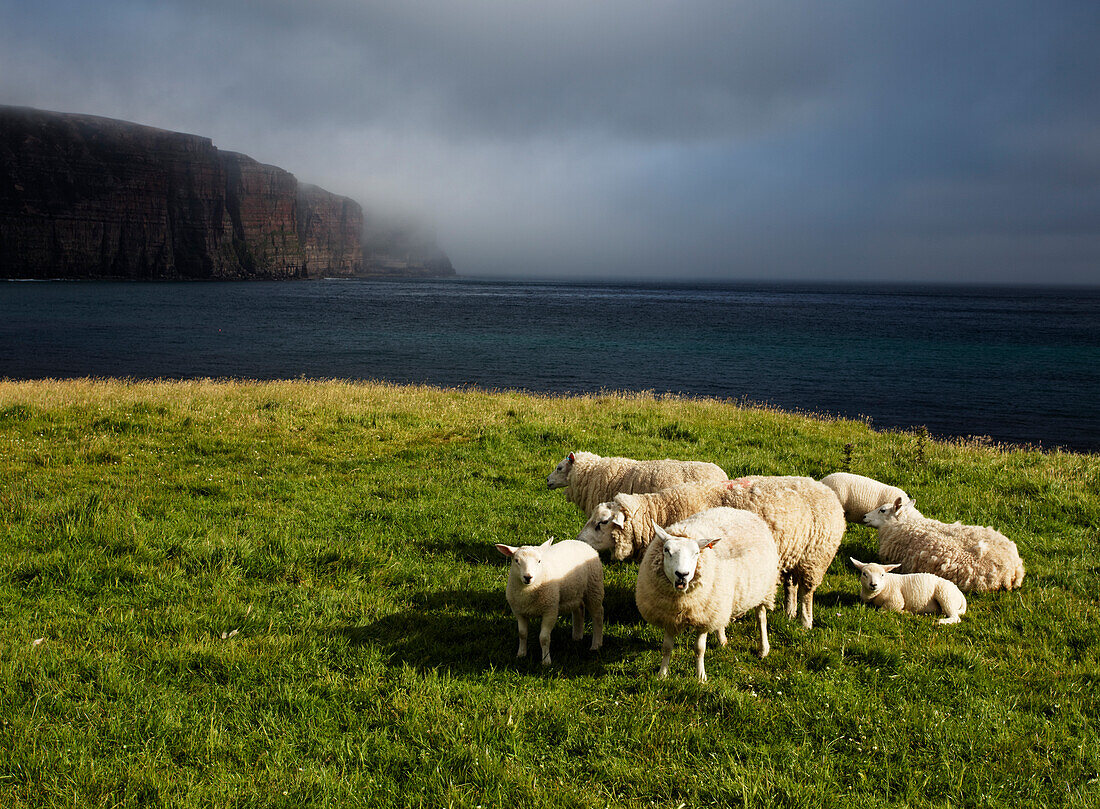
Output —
<point x="546" y="580"/>
<point x="859" y="494"/>
<point x="919" y="593"/>
<point x="974" y="557"/>
<point x="804" y="516"/>
<point x="590" y="479"/>
<point x="705" y="583"/>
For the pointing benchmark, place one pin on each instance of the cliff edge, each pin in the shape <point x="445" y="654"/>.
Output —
<point x="89" y="197"/>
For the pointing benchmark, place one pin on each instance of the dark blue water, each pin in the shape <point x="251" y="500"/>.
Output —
<point x="1018" y="365"/>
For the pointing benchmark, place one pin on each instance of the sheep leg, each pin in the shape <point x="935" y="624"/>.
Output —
<point x="952" y="615"/>
<point x="806" y="604"/>
<point x="666" y="653"/>
<point x="700" y="652"/>
<point x="578" y="623"/>
<point x="790" y="595"/>
<point x="762" y="621"/>
<point x="596" y="608"/>
<point x="522" y="622"/>
<point x="548" y="621"/>
<point x="721" y="633"/>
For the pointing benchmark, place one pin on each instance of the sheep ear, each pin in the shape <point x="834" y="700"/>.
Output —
<point x="888" y="568"/>
<point x="912" y="503"/>
<point x="547" y="543"/>
<point x="661" y="532"/>
<point x="619" y="518"/>
<point x="572" y="457"/>
<point x="708" y="543"/>
<point x="507" y="550"/>
<point x="859" y="565"/>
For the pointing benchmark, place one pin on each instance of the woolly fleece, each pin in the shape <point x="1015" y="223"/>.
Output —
<point x="590" y="479"/>
<point x="735" y="576"/>
<point x="977" y="558"/>
<point x="858" y="494"/>
<point x="920" y="593"/>
<point x="569" y="579"/>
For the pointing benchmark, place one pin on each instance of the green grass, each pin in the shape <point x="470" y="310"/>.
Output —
<point x="286" y="594"/>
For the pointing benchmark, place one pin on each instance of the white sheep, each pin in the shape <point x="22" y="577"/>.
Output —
<point x="693" y="579"/>
<point x="804" y="516"/>
<point x="919" y="593"/>
<point x="590" y="479"/>
<point x="974" y="557"/>
<point x="546" y="580"/>
<point x="859" y="494"/>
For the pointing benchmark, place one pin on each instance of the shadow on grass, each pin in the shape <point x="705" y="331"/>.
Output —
<point x="468" y="632"/>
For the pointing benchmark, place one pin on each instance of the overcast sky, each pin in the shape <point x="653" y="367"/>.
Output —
<point x="825" y="139"/>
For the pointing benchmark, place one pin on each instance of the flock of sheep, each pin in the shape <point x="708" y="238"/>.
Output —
<point x="712" y="549"/>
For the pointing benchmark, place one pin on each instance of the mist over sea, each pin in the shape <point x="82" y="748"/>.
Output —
<point x="1020" y="365"/>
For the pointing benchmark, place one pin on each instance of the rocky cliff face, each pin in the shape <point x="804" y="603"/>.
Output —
<point x="89" y="197"/>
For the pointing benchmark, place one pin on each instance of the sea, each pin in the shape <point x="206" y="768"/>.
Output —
<point x="1012" y="365"/>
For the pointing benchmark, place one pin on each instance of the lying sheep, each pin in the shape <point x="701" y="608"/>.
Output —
<point x="804" y="517"/>
<point x="590" y="480"/>
<point x="691" y="578"/>
<point x="972" y="556"/>
<point x="546" y="580"/>
<point x="859" y="494"/>
<point x="919" y="593"/>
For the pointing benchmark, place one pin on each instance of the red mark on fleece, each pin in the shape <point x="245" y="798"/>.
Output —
<point x="742" y="483"/>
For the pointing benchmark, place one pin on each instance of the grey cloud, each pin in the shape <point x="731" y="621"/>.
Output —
<point x="800" y="139"/>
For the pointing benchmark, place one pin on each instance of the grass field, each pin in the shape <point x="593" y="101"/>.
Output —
<point x="286" y="594"/>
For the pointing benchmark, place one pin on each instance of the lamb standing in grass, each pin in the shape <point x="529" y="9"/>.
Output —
<point x="804" y="516"/>
<point x="589" y="479"/>
<point x="859" y="494"/>
<point x="974" y="557"/>
<point x="919" y="593"/>
<point x="546" y="580"/>
<point x="703" y="582"/>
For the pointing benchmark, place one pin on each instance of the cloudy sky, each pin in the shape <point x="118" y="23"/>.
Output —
<point x="803" y="139"/>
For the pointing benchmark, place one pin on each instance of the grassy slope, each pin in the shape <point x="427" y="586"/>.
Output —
<point x="344" y="533"/>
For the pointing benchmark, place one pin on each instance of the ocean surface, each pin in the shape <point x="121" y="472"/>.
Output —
<point x="1021" y="366"/>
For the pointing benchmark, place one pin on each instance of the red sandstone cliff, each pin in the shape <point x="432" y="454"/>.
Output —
<point x="89" y="197"/>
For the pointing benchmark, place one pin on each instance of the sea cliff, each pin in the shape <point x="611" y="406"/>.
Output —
<point x="89" y="197"/>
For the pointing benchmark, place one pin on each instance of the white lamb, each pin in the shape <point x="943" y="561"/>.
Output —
<point x="919" y="593"/>
<point x="703" y="581"/>
<point x="590" y="479"/>
<point x="974" y="557"/>
<point x="804" y="516"/>
<point x="546" y="580"/>
<point x="859" y="494"/>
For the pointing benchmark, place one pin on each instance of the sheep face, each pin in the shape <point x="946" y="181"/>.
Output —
<point x="680" y="560"/>
<point x="872" y="577"/>
<point x="559" y="478"/>
<point x="681" y="557"/>
<point x="603" y="526"/>
<point x="527" y="568"/>
<point x="882" y="515"/>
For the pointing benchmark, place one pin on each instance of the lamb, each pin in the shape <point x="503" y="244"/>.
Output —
<point x="974" y="557"/>
<point x="909" y="592"/>
<point x="693" y="578"/>
<point x="545" y="580"/>
<point x="590" y="479"/>
<point x="804" y="516"/>
<point x="859" y="494"/>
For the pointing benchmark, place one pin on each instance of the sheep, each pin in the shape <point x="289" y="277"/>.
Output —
<point x="692" y="578"/>
<point x="859" y="494"/>
<point x="974" y="557"/>
<point x="919" y="593"/>
<point x="804" y="516"/>
<point x="545" y="580"/>
<point x="590" y="479"/>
